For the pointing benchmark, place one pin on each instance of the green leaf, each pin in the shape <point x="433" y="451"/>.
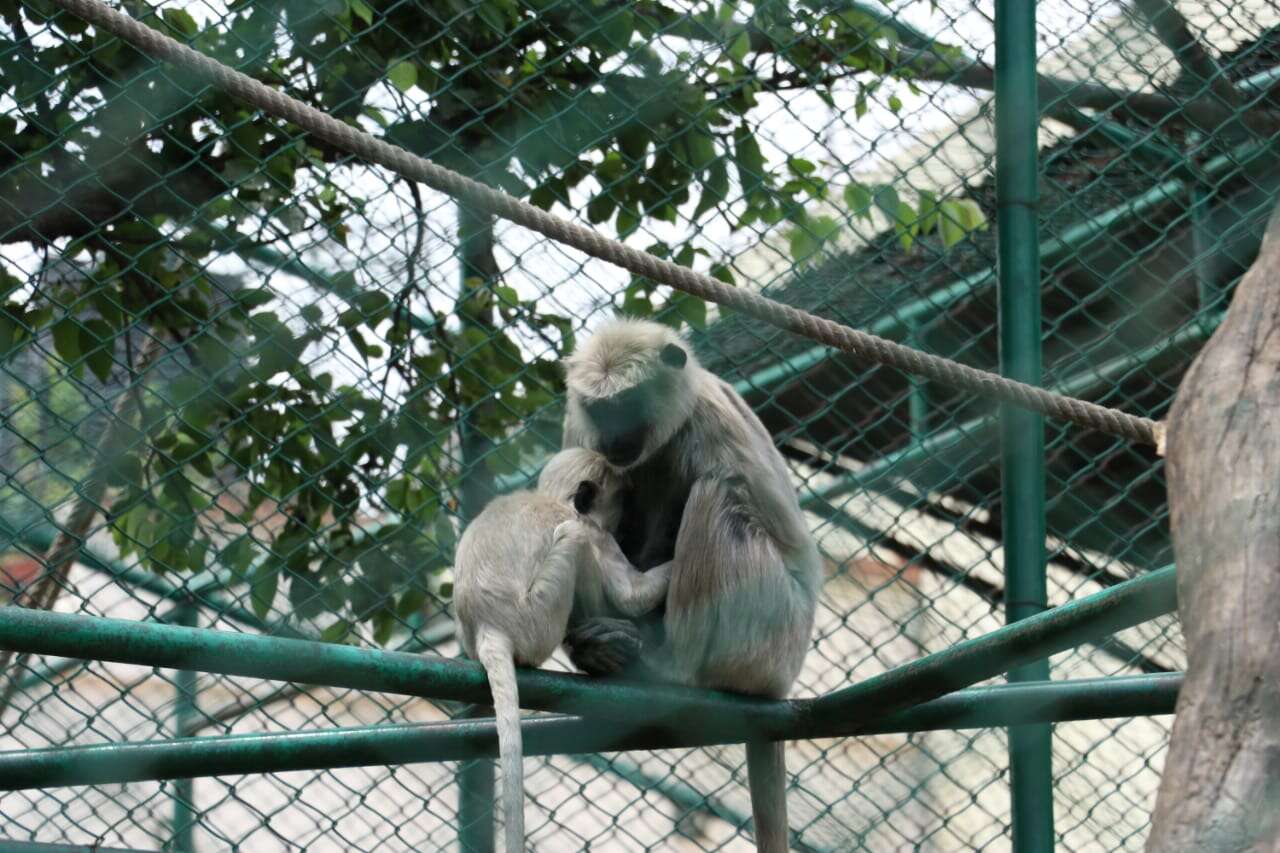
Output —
<point x="96" y="339"/>
<point x="715" y="187"/>
<point x="404" y="75"/>
<point x="702" y="149"/>
<point x="949" y="224"/>
<point x="750" y="162"/>
<point x="800" y="166"/>
<point x="180" y="21"/>
<point x="600" y="208"/>
<point x="808" y="236"/>
<point x="262" y="587"/>
<point x="690" y="309"/>
<point x="384" y="625"/>
<point x="908" y="225"/>
<point x="959" y="217"/>
<point x="66" y="340"/>
<point x="627" y="222"/>
<point x="237" y="555"/>
<point x="928" y="212"/>
<point x="489" y="12"/>
<point x="895" y="103"/>
<point x="614" y="34"/>
<point x="336" y="633"/>
<point x="859" y="201"/>
<point x="739" y="47"/>
<point x="8" y="333"/>
<point x="304" y="595"/>
<point x="411" y="602"/>
<point x="254" y="297"/>
<point x="971" y="215"/>
<point x="361" y="10"/>
<point x="886" y="198"/>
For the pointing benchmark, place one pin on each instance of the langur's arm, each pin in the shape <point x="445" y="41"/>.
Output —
<point x="631" y="591"/>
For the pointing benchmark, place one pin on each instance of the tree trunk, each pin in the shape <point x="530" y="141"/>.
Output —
<point x="1221" y="785"/>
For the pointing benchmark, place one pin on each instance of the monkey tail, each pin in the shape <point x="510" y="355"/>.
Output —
<point x="767" y="778"/>
<point x="496" y="655"/>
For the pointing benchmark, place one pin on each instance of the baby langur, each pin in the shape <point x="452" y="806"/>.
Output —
<point x="521" y="567"/>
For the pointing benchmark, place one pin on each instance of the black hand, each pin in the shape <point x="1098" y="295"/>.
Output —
<point x="603" y="646"/>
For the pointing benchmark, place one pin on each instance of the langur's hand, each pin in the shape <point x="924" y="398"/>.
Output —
<point x="603" y="646"/>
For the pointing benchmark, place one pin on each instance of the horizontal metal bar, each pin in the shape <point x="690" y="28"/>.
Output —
<point x="699" y="713"/>
<point x="980" y="707"/>
<point x="337" y="665"/>
<point x="8" y="845"/>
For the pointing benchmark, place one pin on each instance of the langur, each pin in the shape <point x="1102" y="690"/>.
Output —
<point x="522" y="566"/>
<point x="710" y="500"/>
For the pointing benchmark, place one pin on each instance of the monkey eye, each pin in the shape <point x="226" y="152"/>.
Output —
<point x="585" y="497"/>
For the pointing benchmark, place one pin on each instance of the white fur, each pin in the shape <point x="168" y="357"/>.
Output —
<point x="520" y="567"/>
<point x="745" y="571"/>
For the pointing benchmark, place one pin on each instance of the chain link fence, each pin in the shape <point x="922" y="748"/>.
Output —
<point x="249" y="384"/>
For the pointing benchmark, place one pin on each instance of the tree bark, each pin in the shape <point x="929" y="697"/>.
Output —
<point x="1221" y="785"/>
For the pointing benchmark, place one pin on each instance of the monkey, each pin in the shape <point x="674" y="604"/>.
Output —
<point x="522" y="567"/>
<point x="710" y="501"/>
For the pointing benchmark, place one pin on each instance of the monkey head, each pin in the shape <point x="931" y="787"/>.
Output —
<point x="583" y="479"/>
<point x="631" y="388"/>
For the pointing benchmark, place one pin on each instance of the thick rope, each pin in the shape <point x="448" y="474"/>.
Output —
<point x="866" y="347"/>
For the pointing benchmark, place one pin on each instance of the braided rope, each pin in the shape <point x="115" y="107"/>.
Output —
<point x="861" y="345"/>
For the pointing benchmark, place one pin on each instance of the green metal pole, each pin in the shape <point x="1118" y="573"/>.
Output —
<point x="11" y="846"/>
<point x="1021" y="432"/>
<point x="185" y="685"/>
<point x="659" y="706"/>
<point x="978" y="707"/>
<point x="476" y="779"/>
<point x="1202" y="248"/>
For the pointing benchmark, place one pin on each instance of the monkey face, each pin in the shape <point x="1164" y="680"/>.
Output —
<point x="625" y="421"/>
<point x="632" y="386"/>
<point x="622" y="423"/>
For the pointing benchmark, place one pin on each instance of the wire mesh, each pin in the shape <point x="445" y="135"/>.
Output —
<point x="275" y="380"/>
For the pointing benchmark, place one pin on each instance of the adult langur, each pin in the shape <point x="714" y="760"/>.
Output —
<point x="709" y="494"/>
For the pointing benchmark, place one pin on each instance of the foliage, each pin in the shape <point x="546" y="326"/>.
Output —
<point x="133" y="178"/>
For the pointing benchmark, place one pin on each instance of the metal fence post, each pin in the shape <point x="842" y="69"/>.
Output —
<point x="185" y="685"/>
<point x="476" y="779"/>
<point x="1022" y="433"/>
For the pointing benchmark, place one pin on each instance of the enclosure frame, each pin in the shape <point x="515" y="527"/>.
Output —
<point x="932" y="693"/>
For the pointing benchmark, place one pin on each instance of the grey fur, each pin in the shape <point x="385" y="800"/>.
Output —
<point x="744" y="570"/>
<point x="522" y="566"/>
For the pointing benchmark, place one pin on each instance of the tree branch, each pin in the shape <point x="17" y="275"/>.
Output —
<point x="1172" y="29"/>
<point x="80" y="199"/>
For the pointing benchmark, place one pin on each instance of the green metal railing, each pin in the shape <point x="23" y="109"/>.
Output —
<point x="312" y="373"/>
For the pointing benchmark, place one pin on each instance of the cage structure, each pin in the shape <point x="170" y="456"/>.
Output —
<point x="252" y="388"/>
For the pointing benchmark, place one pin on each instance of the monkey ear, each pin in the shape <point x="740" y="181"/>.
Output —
<point x="584" y="497"/>
<point x="674" y="356"/>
